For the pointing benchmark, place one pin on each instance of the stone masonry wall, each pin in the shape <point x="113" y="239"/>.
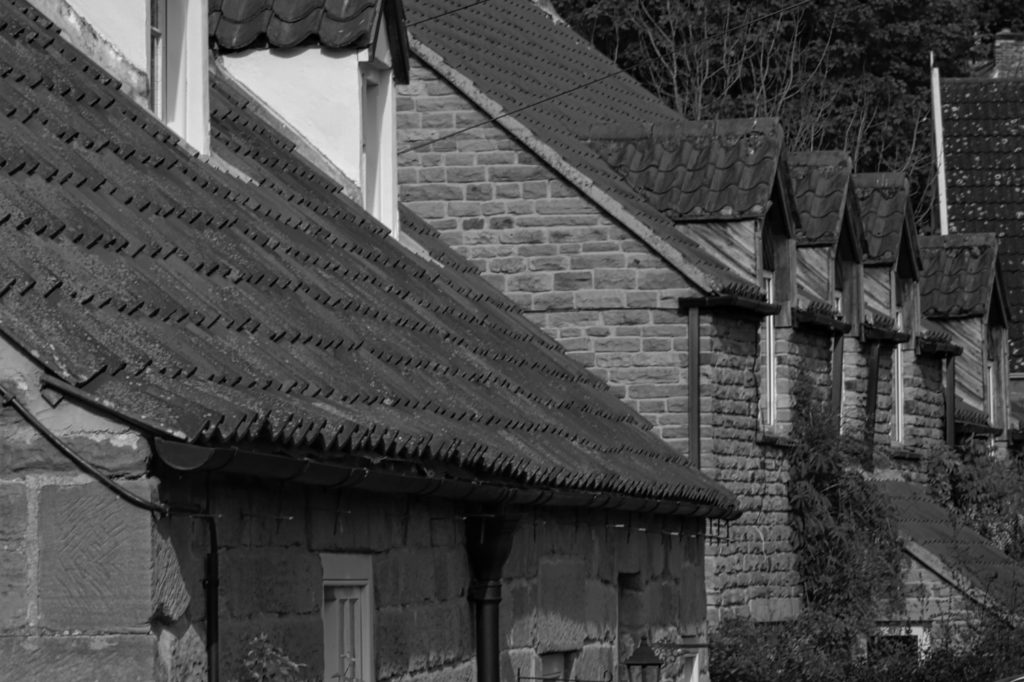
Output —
<point x="805" y="369"/>
<point x="613" y="304"/>
<point x="79" y="567"/>
<point x="581" y="276"/>
<point x="855" y="391"/>
<point x="754" y="565"/>
<point x="925" y="401"/>
<point x="562" y="585"/>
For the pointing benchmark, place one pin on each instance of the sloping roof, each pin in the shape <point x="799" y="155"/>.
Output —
<point x="821" y="190"/>
<point x="959" y="275"/>
<point x="983" y="141"/>
<point x="980" y="564"/>
<point x="696" y="170"/>
<point x="556" y="84"/>
<point x="260" y="308"/>
<point x="238" y="24"/>
<point x="886" y="214"/>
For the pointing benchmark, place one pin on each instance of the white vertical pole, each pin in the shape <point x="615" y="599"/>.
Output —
<point x="940" y="152"/>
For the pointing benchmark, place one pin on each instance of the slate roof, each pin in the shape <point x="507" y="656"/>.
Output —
<point x="983" y="140"/>
<point x="822" y="190"/>
<point x="925" y="522"/>
<point x="559" y="86"/>
<point x="959" y="275"/>
<point x="239" y="24"/>
<point x="696" y="170"/>
<point x="886" y="215"/>
<point x="261" y="308"/>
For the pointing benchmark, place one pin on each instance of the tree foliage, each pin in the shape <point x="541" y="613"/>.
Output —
<point x="840" y="74"/>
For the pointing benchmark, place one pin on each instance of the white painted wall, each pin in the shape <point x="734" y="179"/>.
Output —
<point x="316" y="92"/>
<point x="124" y="24"/>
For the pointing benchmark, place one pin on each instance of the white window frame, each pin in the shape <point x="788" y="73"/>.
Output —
<point x="348" y="577"/>
<point x="770" y="399"/>
<point x="898" y="388"/>
<point x="179" y="70"/>
<point x="379" y="134"/>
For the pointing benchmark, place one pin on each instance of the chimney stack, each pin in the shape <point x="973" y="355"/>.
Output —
<point x="1009" y="55"/>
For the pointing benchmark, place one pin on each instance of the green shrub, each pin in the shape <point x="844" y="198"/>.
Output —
<point x="818" y="647"/>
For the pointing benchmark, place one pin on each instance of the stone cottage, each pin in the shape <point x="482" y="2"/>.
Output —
<point x="520" y="175"/>
<point x="236" y="403"/>
<point x="583" y="199"/>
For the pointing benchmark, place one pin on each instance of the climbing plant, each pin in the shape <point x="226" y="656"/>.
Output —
<point x="984" y="492"/>
<point x="849" y="555"/>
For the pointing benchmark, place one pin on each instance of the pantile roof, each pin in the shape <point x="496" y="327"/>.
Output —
<point x="983" y="141"/>
<point x="886" y="214"/>
<point x="978" y="562"/>
<point x="822" y="189"/>
<point x="261" y="308"/>
<point x="558" y="86"/>
<point x="239" y="24"/>
<point x="959" y="275"/>
<point x="696" y="170"/>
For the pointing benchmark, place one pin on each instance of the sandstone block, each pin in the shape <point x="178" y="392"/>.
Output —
<point x="518" y="173"/>
<point x="619" y="344"/>
<point x="431" y="192"/>
<point x="614" y="279"/>
<point x="457" y="174"/>
<point x="600" y="299"/>
<point x="572" y="281"/>
<point x="589" y="261"/>
<point x="532" y="282"/>
<point x="535" y="189"/>
<point x="95" y="558"/>
<point x="479" y="192"/>
<point x="508" y="190"/>
<point x="269" y="580"/>
<point x="111" y="658"/>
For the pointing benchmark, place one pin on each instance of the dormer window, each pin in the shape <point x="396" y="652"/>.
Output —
<point x="178" y="74"/>
<point x="332" y="89"/>
<point x="378" y="169"/>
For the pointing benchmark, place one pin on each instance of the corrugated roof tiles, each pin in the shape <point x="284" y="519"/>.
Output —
<point x="822" y="187"/>
<point x="696" y="170"/>
<point x="958" y="275"/>
<point x="884" y="200"/>
<point x="262" y="307"/>
<point x="237" y="24"/>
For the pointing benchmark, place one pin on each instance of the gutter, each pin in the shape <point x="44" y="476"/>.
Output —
<point x="735" y="304"/>
<point x="937" y="349"/>
<point x="829" y="323"/>
<point x="873" y="334"/>
<point x="186" y="458"/>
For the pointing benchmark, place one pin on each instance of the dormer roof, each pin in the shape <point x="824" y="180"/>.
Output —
<point x="824" y="196"/>
<point x="961" y="277"/>
<point x="335" y="24"/>
<point x="890" y="236"/>
<point x="697" y="170"/>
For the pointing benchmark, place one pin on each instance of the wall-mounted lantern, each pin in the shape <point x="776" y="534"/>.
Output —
<point x="643" y="665"/>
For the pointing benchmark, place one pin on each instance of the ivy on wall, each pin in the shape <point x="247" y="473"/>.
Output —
<point x="849" y="554"/>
